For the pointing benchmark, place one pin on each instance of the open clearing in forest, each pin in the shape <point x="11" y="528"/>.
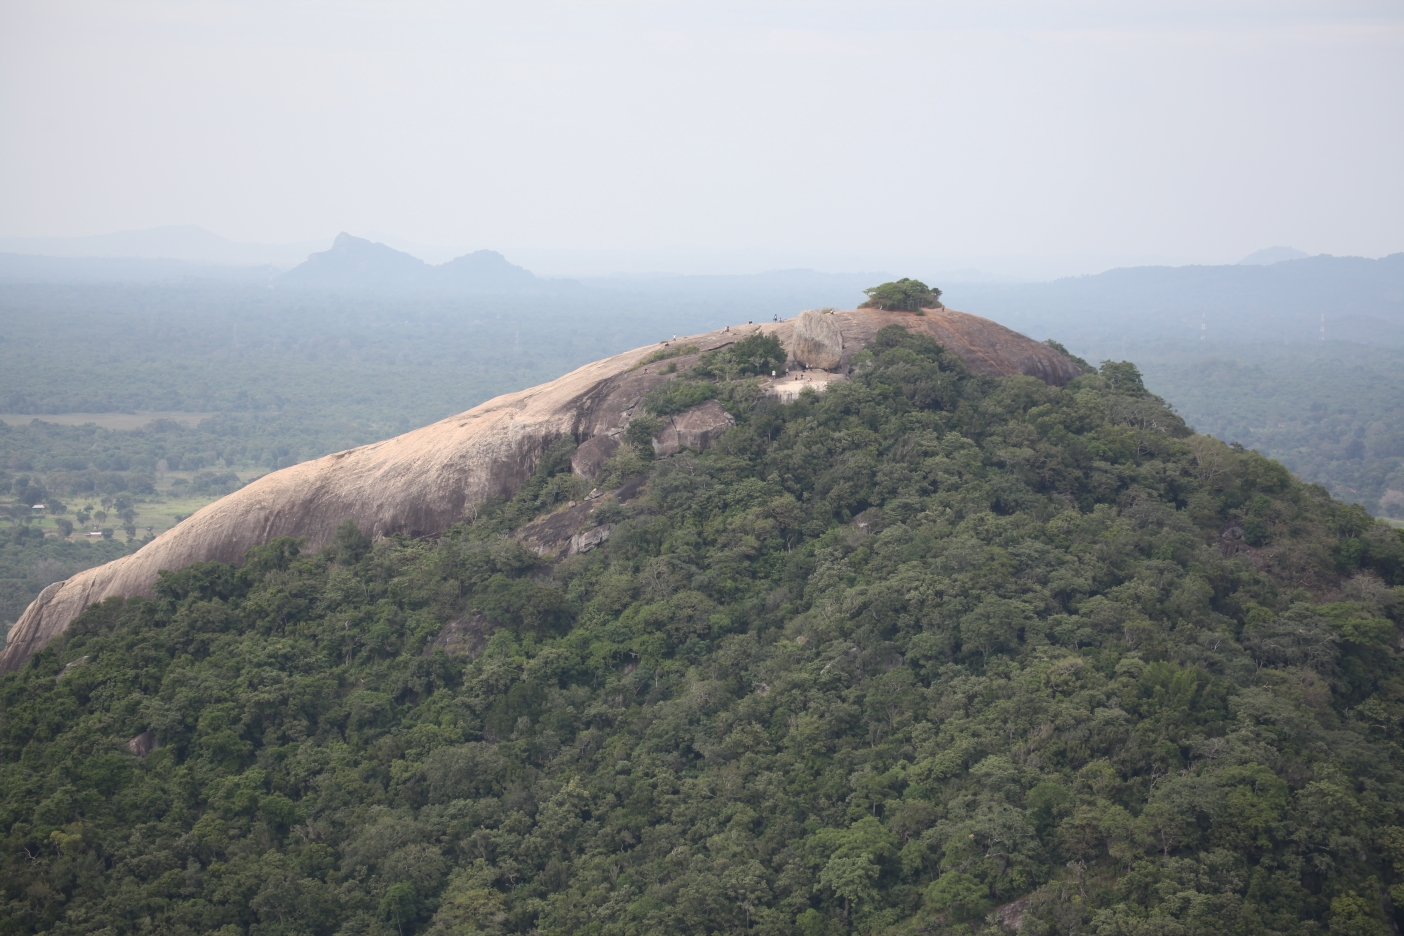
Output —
<point x="157" y="512"/>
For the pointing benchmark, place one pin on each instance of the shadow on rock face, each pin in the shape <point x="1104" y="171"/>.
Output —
<point x="143" y="744"/>
<point x="591" y="454"/>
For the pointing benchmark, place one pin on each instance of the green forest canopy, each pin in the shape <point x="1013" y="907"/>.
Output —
<point x="1333" y="412"/>
<point x="883" y="660"/>
<point x="903" y="295"/>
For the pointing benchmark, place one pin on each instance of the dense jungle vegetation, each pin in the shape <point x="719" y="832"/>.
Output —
<point x="929" y="652"/>
<point x="1332" y="412"/>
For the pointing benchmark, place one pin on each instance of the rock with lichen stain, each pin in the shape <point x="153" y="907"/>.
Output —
<point x="586" y="540"/>
<point x="466" y="636"/>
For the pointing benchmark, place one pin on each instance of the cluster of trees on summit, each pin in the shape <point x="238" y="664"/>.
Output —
<point x="905" y="294"/>
<point x="931" y="652"/>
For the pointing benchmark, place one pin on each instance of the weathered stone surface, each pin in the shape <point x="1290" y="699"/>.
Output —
<point x="987" y="347"/>
<point x="586" y="540"/>
<point x="143" y="744"/>
<point x="817" y="342"/>
<point x="696" y="428"/>
<point x="591" y="454"/>
<point x="424" y="481"/>
<point x="551" y="535"/>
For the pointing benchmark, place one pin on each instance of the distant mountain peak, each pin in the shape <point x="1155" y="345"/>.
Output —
<point x="1271" y="255"/>
<point x="485" y="269"/>
<point x="357" y="262"/>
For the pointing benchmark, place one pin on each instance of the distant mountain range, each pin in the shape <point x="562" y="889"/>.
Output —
<point x="357" y="263"/>
<point x="1270" y="296"/>
<point x="1270" y="255"/>
<point x="350" y="263"/>
<point x="1357" y="299"/>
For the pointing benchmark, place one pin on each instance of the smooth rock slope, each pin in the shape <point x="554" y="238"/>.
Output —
<point x="424" y="481"/>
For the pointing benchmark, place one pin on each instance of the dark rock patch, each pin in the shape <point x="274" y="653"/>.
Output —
<point x="143" y="744"/>
<point x="591" y="455"/>
<point x="552" y="535"/>
<point x="467" y="636"/>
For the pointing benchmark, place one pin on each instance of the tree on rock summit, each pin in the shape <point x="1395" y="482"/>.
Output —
<point x="907" y="295"/>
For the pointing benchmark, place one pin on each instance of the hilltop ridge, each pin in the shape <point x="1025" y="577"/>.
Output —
<point x="424" y="481"/>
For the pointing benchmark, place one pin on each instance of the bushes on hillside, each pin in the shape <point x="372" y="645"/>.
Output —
<point x="882" y="660"/>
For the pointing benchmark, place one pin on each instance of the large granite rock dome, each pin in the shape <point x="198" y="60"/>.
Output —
<point x="424" y="481"/>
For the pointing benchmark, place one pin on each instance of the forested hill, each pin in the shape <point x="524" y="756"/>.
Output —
<point x="1354" y="298"/>
<point x="929" y="652"/>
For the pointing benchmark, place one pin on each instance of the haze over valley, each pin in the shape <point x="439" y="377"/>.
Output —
<point x="614" y="468"/>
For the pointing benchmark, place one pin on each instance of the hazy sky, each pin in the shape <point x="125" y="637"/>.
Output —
<point x="1109" y="132"/>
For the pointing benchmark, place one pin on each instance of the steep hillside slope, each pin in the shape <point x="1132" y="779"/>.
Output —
<point x="931" y="652"/>
<point x="425" y="481"/>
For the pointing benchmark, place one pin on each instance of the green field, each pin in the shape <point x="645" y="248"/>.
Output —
<point x="155" y="514"/>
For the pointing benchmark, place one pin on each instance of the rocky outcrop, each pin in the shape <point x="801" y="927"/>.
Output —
<point x="987" y="347"/>
<point x="555" y="534"/>
<point x="586" y="540"/>
<point x="818" y="340"/>
<point x="696" y="428"/>
<point x="425" y="481"/>
<point x="589" y="456"/>
<point x="143" y="744"/>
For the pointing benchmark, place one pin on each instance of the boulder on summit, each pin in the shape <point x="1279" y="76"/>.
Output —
<point x="818" y="341"/>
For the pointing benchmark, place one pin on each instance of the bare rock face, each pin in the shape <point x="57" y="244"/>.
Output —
<point x="696" y="428"/>
<point x="78" y="662"/>
<point x="553" y="534"/>
<point x="818" y="341"/>
<point x="586" y="540"/>
<point x="424" y="481"/>
<point x="591" y="454"/>
<point x="143" y="744"/>
<point x="986" y="347"/>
